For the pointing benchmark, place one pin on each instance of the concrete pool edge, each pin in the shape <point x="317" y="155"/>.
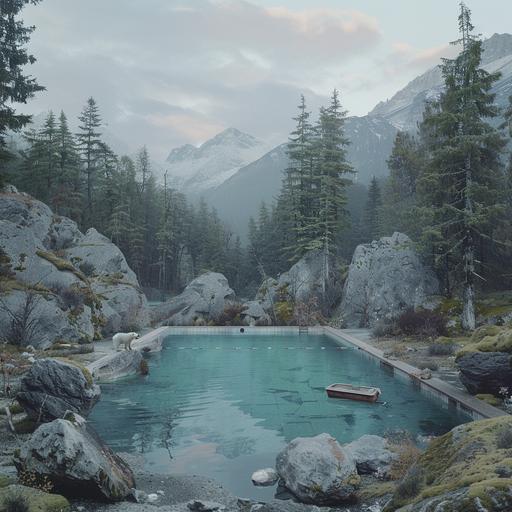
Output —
<point x="435" y="387"/>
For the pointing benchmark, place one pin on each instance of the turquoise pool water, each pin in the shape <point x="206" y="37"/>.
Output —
<point x="225" y="406"/>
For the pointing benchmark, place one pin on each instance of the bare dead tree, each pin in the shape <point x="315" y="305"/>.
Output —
<point x="24" y="324"/>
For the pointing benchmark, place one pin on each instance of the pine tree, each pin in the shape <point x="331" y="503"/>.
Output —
<point x="297" y="189"/>
<point x="67" y="198"/>
<point x="405" y="165"/>
<point x="332" y="172"/>
<point x="372" y="213"/>
<point x="41" y="170"/>
<point x="15" y="87"/>
<point x="461" y="187"/>
<point x="90" y="148"/>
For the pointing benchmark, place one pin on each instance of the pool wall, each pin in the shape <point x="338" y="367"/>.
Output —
<point x="434" y="387"/>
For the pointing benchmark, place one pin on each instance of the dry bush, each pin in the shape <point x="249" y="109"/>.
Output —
<point x="231" y="314"/>
<point x="407" y="455"/>
<point x="24" y="325"/>
<point x="422" y="322"/>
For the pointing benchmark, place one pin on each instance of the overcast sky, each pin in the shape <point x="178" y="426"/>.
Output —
<point x="168" y="72"/>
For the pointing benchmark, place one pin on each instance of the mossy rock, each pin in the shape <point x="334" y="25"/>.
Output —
<point x="484" y="331"/>
<point x="85" y="371"/>
<point x="61" y="264"/>
<point x="499" y="342"/>
<point x="37" y="501"/>
<point x="462" y="469"/>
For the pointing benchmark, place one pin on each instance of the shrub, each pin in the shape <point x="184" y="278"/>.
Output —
<point x="383" y="329"/>
<point x="87" y="268"/>
<point x="5" y="265"/>
<point x="231" y="314"/>
<point x="407" y="455"/>
<point x="284" y="312"/>
<point x="427" y="365"/>
<point x="441" y="349"/>
<point x="71" y="297"/>
<point x="15" y="503"/>
<point x="25" y="324"/>
<point x="410" y="486"/>
<point x="504" y="438"/>
<point x="422" y="322"/>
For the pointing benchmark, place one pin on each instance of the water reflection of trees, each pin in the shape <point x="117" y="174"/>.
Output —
<point x="169" y="423"/>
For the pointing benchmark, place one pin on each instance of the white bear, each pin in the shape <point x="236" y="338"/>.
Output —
<point x="124" y="338"/>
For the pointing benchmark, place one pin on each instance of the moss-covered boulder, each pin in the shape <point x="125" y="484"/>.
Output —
<point x="467" y="470"/>
<point x="36" y="500"/>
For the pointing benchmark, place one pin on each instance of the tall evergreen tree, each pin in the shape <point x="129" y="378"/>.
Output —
<point x="90" y="149"/>
<point x="372" y="212"/>
<point x="461" y="187"/>
<point x="15" y="87"/>
<point x="67" y="197"/>
<point x="333" y="173"/>
<point x="405" y="165"/>
<point x="297" y="192"/>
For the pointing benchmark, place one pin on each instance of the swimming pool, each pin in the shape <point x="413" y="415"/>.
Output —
<point x="224" y="406"/>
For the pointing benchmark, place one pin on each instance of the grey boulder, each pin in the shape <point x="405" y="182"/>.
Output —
<point x="485" y="372"/>
<point x="52" y="387"/>
<point x="385" y="278"/>
<point x="255" y="314"/>
<point x="304" y="282"/>
<point x="116" y="366"/>
<point x="205" y="298"/>
<point x="371" y="454"/>
<point x="73" y="458"/>
<point x="318" y="471"/>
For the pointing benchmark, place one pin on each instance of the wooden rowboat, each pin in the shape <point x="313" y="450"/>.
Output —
<point x="350" y="392"/>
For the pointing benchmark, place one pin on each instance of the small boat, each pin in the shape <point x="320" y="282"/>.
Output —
<point x="350" y="392"/>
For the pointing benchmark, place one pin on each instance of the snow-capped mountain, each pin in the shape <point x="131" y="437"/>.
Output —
<point x="404" y="110"/>
<point x="194" y="170"/>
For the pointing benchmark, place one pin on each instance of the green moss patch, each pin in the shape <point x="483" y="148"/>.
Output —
<point x="490" y="399"/>
<point x="61" y="264"/>
<point x="467" y="458"/>
<point x="36" y="500"/>
<point x="85" y="371"/>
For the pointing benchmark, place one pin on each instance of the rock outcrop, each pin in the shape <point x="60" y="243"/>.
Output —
<point x="83" y="285"/>
<point x="317" y="470"/>
<point x="371" y="454"/>
<point x="116" y="366"/>
<point x="70" y="454"/>
<point x="385" y="278"/>
<point x="204" y="299"/>
<point x="52" y="387"/>
<point x="485" y="372"/>
<point x="463" y="470"/>
<point x="303" y="283"/>
<point x="254" y="314"/>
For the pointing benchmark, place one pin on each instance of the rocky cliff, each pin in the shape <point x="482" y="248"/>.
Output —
<point x="58" y="284"/>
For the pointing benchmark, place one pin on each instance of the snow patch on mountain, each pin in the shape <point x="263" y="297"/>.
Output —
<point x="194" y="169"/>
<point x="405" y="109"/>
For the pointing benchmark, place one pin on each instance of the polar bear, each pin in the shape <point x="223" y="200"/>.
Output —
<point x="124" y="338"/>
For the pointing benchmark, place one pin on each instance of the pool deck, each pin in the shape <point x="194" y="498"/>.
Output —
<point x="438" y="388"/>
